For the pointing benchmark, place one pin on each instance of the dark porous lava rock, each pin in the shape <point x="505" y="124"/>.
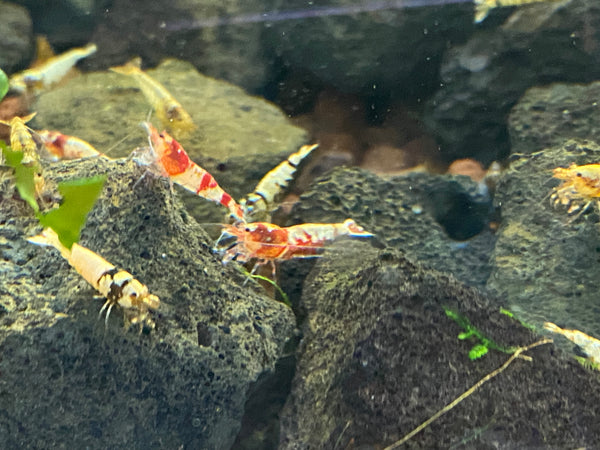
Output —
<point x="484" y="78"/>
<point x="16" y="37"/>
<point x="67" y="381"/>
<point x="545" y="116"/>
<point x="545" y="264"/>
<point x="380" y="356"/>
<point x="440" y="221"/>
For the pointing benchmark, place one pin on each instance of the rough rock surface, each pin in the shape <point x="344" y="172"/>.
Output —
<point x="174" y="29"/>
<point x="485" y="77"/>
<point x="548" y="115"/>
<point x="66" y="23"/>
<point x="380" y="356"/>
<point x="16" y="37"/>
<point x="373" y="52"/>
<point x="238" y="138"/>
<point x="440" y="221"/>
<point x="68" y="381"/>
<point x="545" y="266"/>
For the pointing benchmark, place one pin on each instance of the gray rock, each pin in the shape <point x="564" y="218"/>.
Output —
<point x="175" y="29"/>
<point x="485" y="77"/>
<point x="546" y="116"/>
<point x="16" y="37"/>
<point x="544" y="265"/>
<point x="380" y="51"/>
<point x="69" y="382"/>
<point x="66" y="23"/>
<point x="380" y="356"/>
<point x="417" y="213"/>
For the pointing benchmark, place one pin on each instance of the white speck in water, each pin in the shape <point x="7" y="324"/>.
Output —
<point x="417" y="209"/>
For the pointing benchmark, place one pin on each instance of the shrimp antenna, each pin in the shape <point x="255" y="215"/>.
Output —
<point x="116" y="144"/>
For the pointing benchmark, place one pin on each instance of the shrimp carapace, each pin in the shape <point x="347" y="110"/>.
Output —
<point x="171" y="160"/>
<point x="51" y="71"/>
<point x="269" y="243"/>
<point x="118" y="286"/>
<point x="590" y="345"/>
<point x="64" y="147"/>
<point x="168" y="110"/>
<point x="23" y="139"/>
<point x="483" y="7"/>
<point x="579" y="190"/>
<point x="259" y="204"/>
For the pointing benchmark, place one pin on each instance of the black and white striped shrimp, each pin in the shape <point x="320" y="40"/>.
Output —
<point x="118" y="286"/>
<point x="259" y="204"/>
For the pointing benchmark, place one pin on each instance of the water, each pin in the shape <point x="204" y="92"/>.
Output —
<point x="437" y="135"/>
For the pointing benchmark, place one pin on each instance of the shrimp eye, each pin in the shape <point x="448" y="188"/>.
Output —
<point x="247" y="230"/>
<point x="579" y="174"/>
<point x="133" y="295"/>
<point x="161" y="135"/>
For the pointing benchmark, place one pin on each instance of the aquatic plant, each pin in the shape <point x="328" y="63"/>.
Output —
<point x="284" y="298"/>
<point x="24" y="175"/>
<point x="3" y="84"/>
<point x="78" y="198"/>
<point x="484" y="344"/>
<point x="510" y="314"/>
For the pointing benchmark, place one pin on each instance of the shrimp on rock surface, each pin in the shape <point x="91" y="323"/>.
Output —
<point x="259" y="204"/>
<point x="118" y="286"/>
<point x="579" y="190"/>
<point x="64" y="147"/>
<point x="170" y="160"/>
<point x="168" y="110"/>
<point x="268" y="243"/>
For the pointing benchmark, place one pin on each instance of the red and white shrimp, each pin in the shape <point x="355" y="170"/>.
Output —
<point x="62" y="146"/>
<point x="269" y="243"/>
<point x="171" y="160"/>
<point x="116" y="285"/>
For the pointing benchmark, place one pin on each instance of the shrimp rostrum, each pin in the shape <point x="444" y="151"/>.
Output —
<point x="269" y="243"/>
<point x="118" y="286"/>
<point x="579" y="190"/>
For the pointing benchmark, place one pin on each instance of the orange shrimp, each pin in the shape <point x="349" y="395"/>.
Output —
<point x="269" y="243"/>
<point x="117" y="286"/>
<point x="580" y="188"/>
<point x="171" y="160"/>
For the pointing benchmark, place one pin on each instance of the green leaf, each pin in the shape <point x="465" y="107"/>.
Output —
<point x="24" y="175"/>
<point x="478" y="351"/>
<point x="68" y="219"/>
<point x="465" y="335"/>
<point x="3" y="84"/>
